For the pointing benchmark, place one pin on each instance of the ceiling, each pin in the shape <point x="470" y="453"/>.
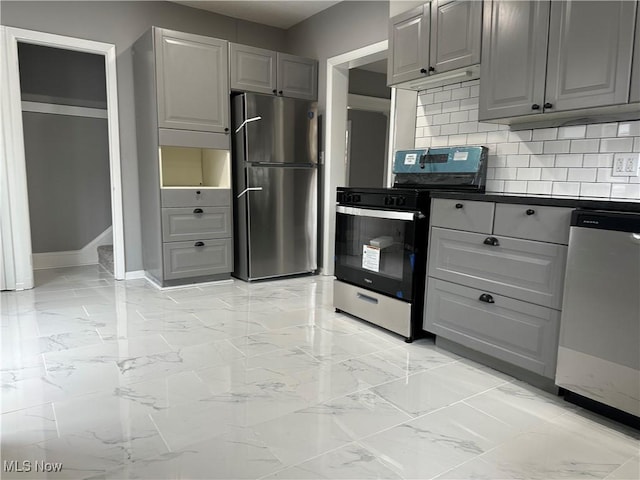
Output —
<point x="281" y="14"/>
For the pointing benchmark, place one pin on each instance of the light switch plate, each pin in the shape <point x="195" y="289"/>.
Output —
<point x="625" y="165"/>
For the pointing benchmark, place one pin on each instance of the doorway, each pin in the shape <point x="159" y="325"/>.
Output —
<point x="16" y="266"/>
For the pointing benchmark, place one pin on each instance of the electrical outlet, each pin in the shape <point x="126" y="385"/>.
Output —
<point x="625" y="165"/>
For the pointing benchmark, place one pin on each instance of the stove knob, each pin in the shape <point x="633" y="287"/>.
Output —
<point x="347" y="197"/>
<point x="400" y="201"/>
<point x="389" y="200"/>
<point x="356" y="198"/>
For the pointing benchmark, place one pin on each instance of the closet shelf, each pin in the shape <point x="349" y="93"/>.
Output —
<point x="57" y="109"/>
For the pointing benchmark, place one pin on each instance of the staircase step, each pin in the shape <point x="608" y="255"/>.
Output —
<point x="105" y="256"/>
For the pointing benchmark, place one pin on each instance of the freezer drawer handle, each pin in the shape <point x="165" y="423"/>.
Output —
<point x="198" y="244"/>
<point x="459" y="206"/>
<point x="485" y="297"/>
<point x="249" y="189"/>
<point x="493" y="241"/>
<point x="367" y="298"/>
<point x="530" y="211"/>
<point x="198" y="210"/>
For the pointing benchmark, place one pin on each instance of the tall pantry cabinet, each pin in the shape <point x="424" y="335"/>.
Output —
<point x="182" y="120"/>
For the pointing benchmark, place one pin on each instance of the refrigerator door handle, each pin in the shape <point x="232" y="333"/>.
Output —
<point x="254" y="189"/>
<point x="254" y="119"/>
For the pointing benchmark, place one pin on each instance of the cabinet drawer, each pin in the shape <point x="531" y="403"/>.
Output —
<point x="195" y="197"/>
<point x="516" y="332"/>
<point x="462" y="215"/>
<point x="180" y="224"/>
<point x="533" y="222"/>
<point x="186" y="259"/>
<point x="521" y="269"/>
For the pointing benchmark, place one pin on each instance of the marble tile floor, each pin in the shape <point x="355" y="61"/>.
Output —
<point x="121" y="380"/>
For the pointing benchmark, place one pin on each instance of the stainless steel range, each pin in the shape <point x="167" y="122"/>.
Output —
<point x="381" y="236"/>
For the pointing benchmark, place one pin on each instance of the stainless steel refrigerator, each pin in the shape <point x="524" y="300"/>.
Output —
<point x="275" y="186"/>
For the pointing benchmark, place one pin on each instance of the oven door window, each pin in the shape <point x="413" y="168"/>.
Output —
<point x="376" y="253"/>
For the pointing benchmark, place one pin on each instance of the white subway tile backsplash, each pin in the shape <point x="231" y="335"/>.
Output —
<point x="595" y="189"/>
<point x="556" y="146"/>
<point x="542" y="160"/>
<point x="508" y="148"/>
<point x="518" y="161"/>
<point x="458" y="117"/>
<point x="572" y="160"/>
<point x="616" y="145"/>
<point x="582" y="174"/>
<point x="631" y="129"/>
<point x="584" y="146"/>
<point x="578" y="131"/>
<point x="566" y="188"/>
<point x="600" y="130"/>
<point x="531" y="147"/>
<point x="539" y="188"/>
<point x="598" y="160"/>
<point x="555" y="174"/>
<point x="631" y="191"/>
<point x="545" y="134"/>
<point x="528" y="174"/>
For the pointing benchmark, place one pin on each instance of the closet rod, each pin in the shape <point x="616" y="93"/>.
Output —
<point x="58" y="109"/>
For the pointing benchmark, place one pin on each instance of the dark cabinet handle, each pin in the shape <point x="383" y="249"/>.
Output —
<point x="548" y="105"/>
<point x="275" y="91"/>
<point x="486" y="298"/>
<point x="198" y="192"/>
<point x="432" y="69"/>
<point x="535" y="106"/>
<point x="198" y="210"/>
<point x="423" y="70"/>
<point x="530" y="211"/>
<point x="459" y="205"/>
<point x="280" y="92"/>
<point x="493" y="241"/>
<point x="226" y="129"/>
<point x="198" y="244"/>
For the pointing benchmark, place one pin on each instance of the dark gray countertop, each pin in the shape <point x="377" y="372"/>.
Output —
<point x="591" y="203"/>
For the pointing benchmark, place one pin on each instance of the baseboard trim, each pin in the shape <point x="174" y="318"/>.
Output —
<point x="134" y="275"/>
<point x="87" y="255"/>
<point x="155" y="283"/>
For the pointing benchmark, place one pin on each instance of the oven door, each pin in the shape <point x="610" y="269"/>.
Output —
<point x="375" y="249"/>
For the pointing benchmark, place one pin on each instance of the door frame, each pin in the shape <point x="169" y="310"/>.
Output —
<point x="335" y="139"/>
<point x="16" y="269"/>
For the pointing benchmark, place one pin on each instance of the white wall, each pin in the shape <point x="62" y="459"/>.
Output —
<point x="575" y="160"/>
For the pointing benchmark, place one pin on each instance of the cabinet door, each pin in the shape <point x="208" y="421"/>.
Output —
<point x="514" y="52"/>
<point x="408" y="45"/>
<point x="297" y="77"/>
<point x="193" y="90"/>
<point x="634" y="96"/>
<point x="590" y="49"/>
<point x="455" y="34"/>
<point x="196" y="259"/>
<point x="252" y="69"/>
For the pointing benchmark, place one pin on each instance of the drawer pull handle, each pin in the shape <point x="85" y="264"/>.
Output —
<point x="486" y="298"/>
<point x="198" y="210"/>
<point x="367" y="298"/>
<point x="493" y="241"/>
<point x="530" y="211"/>
<point x="198" y="244"/>
<point x="459" y="205"/>
<point x="198" y="192"/>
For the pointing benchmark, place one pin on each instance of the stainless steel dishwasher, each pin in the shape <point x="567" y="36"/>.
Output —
<point x="599" y="351"/>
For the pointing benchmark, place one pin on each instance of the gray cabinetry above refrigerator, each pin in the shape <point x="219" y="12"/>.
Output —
<point x="545" y="61"/>
<point x="264" y="71"/>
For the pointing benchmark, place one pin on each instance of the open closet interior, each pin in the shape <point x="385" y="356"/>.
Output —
<point x="64" y="111"/>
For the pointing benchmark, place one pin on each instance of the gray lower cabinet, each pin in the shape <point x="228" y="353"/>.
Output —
<point x="253" y="69"/>
<point x="197" y="259"/>
<point x="517" y="332"/>
<point x="497" y="288"/>
<point x="541" y="57"/>
<point x="192" y="81"/>
<point x="180" y="224"/>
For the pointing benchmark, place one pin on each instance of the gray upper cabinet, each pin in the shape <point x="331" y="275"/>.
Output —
<point x="297" y="77"/>
<point x="590" y="50"/>
<point x="192" y="81"/>
<point x="545" y="57"/>
<point x="514" y="55"/>
<point x="252" y="69"/>
<point x="634" y="95"/>
<point x="456" y="28"/>
<point x="408" y="45"/>
<point x="265" y="71"/>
